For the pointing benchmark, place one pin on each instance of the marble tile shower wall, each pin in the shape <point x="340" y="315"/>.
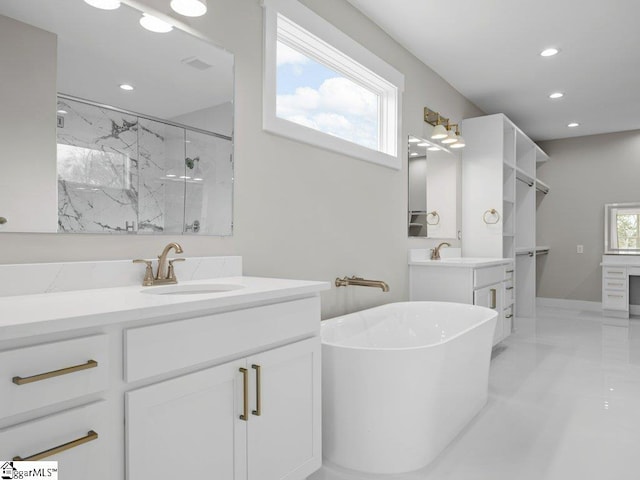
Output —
<point x="119" y="173"/>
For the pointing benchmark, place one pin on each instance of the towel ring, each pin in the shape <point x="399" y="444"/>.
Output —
<point x="492" y="212"/>
<point x="436" y="218"/>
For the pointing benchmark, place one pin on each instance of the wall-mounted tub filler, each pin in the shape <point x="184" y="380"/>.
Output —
<point x="361" y="282"/>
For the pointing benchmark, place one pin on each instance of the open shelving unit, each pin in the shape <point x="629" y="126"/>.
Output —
<point x="499" y="172"/>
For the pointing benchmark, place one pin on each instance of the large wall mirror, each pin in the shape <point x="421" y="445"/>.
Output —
<point x="622" y="228"/>
<point x="108" y="127"/>
<point x="433" y="190"/>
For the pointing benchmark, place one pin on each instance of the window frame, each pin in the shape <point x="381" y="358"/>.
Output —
<point x="314" y="37"/>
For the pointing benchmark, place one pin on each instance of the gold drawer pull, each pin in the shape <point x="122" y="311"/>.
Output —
<point x="55" y="373"/>
<point x="245" y="395"/>
<point x="509" y="316"/>
<point x="509" y="271"/>
<point x="508" y="288"/>
<point x="91" y="435"/>
<point x="493" y="298"/>
<point x="258" y="411"/>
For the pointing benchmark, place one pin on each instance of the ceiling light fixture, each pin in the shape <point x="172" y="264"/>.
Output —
<point x="556" y="95"/>
<point x="62" y="112"/>
<point x="414" y="154"/>
<point x="549" y="52"/>
<point x="414" y="140"/>
<point x="443" y="129"/>
<point x="433" y="149"/>
<point x="154" y="24"/>
<point x="190" y="8"/>
<point x="127" y="87"/>
<point x="573" y="125"/>
<point x="104" y="4"/>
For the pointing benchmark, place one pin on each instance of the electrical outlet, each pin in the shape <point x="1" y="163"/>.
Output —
<point x="580" y="249"/>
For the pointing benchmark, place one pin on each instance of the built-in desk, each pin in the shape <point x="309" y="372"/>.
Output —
<point x="616" y="270"/>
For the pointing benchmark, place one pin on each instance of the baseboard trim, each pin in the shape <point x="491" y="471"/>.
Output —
<point x="570" y="304"/>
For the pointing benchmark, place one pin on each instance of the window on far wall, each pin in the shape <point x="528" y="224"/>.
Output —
<point x="311" y="94"/>
<point x="323" y="88"/>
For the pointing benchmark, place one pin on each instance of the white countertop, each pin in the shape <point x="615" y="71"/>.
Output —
<point x="620" y="261"/>
<point x="461" y="262"/>
<point x="49" y="312"/>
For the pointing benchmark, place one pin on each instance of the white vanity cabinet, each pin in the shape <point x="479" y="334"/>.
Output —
<point x="255" y="418"/>
<point x="485" y="282"/>
<point x="137" y="389"/>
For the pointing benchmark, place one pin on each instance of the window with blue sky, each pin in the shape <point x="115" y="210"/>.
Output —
<point x="315" y="96"/>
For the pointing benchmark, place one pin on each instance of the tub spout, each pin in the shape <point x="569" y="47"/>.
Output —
<point x="361" y="282"/>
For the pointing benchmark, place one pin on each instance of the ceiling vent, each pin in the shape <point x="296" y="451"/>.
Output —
<point x="196" y="63"/>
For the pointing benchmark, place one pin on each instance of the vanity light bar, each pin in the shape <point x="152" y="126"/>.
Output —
<point x="443" y="130"/>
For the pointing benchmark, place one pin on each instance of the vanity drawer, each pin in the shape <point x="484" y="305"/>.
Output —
<point x="615" y="300"/>
<point x="507" y="321"/>
<point x="163" y="348"/>
<point x="615" y="283"/>
<point x="487" y="276"/>
<point x="34" y="377"/>
<point x="614" y="272"/>
<point x="508" y="292"/>
<point x="87" y="427"/>
<point x="508" y="272"/>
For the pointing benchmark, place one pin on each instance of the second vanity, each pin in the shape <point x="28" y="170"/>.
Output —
<point x="125" y="382"/>
<point x="487" y="282"/>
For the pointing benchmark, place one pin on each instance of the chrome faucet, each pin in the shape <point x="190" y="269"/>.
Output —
<point x="435" y="252"/>
<point x="165" y="273"/>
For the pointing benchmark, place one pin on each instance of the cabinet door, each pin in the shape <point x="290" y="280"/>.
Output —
<point x="188" y="427"/>
<point x="491" y="297"/>
<point x="284" y="440"/>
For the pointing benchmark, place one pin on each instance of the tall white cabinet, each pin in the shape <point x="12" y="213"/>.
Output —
<point x="499" y="188"/>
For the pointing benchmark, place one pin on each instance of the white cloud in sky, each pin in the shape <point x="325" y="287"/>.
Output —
<point x="338" y="107"/>
<point x="287" y="55"/>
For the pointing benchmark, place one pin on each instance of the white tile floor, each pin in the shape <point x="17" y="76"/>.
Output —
<point x="564" y="404"/>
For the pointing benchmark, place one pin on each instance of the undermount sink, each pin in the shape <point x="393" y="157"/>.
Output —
<point x="202" y="289"/>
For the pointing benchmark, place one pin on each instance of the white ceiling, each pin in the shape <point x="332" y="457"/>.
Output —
<point x="98" y="50"/>
<point x="489" y="51"/>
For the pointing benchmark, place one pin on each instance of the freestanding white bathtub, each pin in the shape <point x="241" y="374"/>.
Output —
<point x="400" y="381"/>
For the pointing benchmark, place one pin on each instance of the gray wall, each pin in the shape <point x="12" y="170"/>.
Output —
<point x="300" y="211"/>
<point x="584" y="173"/>
<point x="28" y="63"/>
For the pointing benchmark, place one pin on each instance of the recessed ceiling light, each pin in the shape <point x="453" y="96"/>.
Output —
<point x="414" y="154"/>
<point x="424" y="144"/>
<point x="573" y="125"/>
<point x="154" y="24"/>
<point x="433" y="149"/>
<point x="190" y="8"/>
<point x="556" y="95"/>
<point x="414" y="140"/>
<point x="127" y="87"/>
<point x="62" y="112"/>
<point x="104" y="4"/>
<point x="549" y="52"/>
